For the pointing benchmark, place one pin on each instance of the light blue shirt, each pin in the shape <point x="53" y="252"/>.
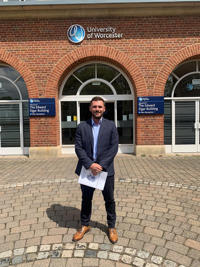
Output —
<point x="95" y="131"/>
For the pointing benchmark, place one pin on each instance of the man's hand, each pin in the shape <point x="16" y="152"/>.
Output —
<point x="95" y="168"/>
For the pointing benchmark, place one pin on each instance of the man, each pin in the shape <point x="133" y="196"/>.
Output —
<point x="96" y="145"/>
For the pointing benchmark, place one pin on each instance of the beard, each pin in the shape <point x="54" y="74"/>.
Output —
<point x="97" y="115"/>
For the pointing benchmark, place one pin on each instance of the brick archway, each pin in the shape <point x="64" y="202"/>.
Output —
<point x="170" y="65"/>
<point x="96" y="53"/>
<point x="89" y="53"/>
<point x="24" y="71"/>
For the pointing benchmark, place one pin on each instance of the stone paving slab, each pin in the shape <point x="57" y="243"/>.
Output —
<point x="173" y="169"/>
<point x="158" y="214"/>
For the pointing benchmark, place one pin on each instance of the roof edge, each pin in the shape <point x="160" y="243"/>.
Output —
<point x="100" y="10"/>
<point x="86" y="2"/>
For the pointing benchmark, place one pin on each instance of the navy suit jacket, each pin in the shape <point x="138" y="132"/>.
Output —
<point x="107" y="146"/>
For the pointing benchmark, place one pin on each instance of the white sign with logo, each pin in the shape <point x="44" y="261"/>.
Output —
<point x="76" y="33"/>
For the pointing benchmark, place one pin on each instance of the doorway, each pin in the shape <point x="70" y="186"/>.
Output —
<point x="186" y="126"/>
<point x="86" y="82"/>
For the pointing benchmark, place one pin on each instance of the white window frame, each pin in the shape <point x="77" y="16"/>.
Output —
<point x="15" y="150"/>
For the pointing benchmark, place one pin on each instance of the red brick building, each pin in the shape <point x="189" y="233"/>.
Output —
<point x="125" y="51"/>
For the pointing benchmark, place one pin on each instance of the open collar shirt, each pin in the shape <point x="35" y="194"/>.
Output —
<point x="95" y="131"/>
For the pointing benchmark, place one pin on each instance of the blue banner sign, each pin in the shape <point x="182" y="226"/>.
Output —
<point x="150" y="105"/>
<point x="42" y="107"/>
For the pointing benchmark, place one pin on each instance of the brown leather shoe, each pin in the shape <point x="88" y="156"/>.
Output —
<point x="80" y="233"/>
<point x="112" y="234"/>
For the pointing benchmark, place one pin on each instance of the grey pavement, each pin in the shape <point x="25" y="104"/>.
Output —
<point x="157" y="203"/>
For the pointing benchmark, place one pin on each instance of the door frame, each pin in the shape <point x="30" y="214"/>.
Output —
<point x="187" y="148"/>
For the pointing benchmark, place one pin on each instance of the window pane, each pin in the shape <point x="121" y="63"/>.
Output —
<point x="86" y="72"/>
<point x="69" y="122"/>
<point x="26" y="124"/>
<point x="85" y="114"/>
<point x="7" y="90"/>
<point x="110" y="112"/>
<point x="189" y="86"/>
<point x="106" y="72"/>
<point x="96" y="88"/>
<point x="71" y="86"/>
<point x="10" y="125"/>
<point x="125" y="121"/>
<point x="22" y="87"/>
<point x="170" y="85"/>
<point x="9" y="72"/>
<point x="185" y="68"/>
<point x="167" y="123"/>
<point x="184" y="123"/>
<point x="121" y="85"/>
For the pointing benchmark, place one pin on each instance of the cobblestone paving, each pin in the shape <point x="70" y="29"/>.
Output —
<point x="158" y="214"/>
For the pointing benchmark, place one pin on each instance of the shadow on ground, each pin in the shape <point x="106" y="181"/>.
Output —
<point x="69" y="217"/>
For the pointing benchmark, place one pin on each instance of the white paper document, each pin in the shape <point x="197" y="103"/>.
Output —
<point x="87" y="178"/>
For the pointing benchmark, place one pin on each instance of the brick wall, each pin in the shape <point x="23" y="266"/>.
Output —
<point x="149" y="50"/>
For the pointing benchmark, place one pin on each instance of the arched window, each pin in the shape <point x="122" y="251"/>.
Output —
<point x="96" y="79"/>
<point x="87" y="81"/>
<point x="12" y="85"/>
<point x="184" y="81"/>
<point x="14" y="119"/>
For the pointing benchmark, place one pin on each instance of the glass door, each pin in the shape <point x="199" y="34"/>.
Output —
<point x="70" y="118"/>
<point x="125" y="121"/>
<point x="10" y="125"/>
<point x="120" y="111"/>
<point x="11" y="133"/>
<point x="185" y="131"/>
<point x="68" y="122"/>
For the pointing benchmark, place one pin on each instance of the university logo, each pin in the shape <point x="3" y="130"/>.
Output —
<point x="76" y="33"/>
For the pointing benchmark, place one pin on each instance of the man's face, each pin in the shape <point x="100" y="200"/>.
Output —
<point x="97" y="109"/>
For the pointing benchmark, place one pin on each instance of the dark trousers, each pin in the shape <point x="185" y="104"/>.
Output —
<point x="108" y="194"/>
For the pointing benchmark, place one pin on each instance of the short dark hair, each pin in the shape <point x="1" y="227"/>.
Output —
<point x="97" y="98"/>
